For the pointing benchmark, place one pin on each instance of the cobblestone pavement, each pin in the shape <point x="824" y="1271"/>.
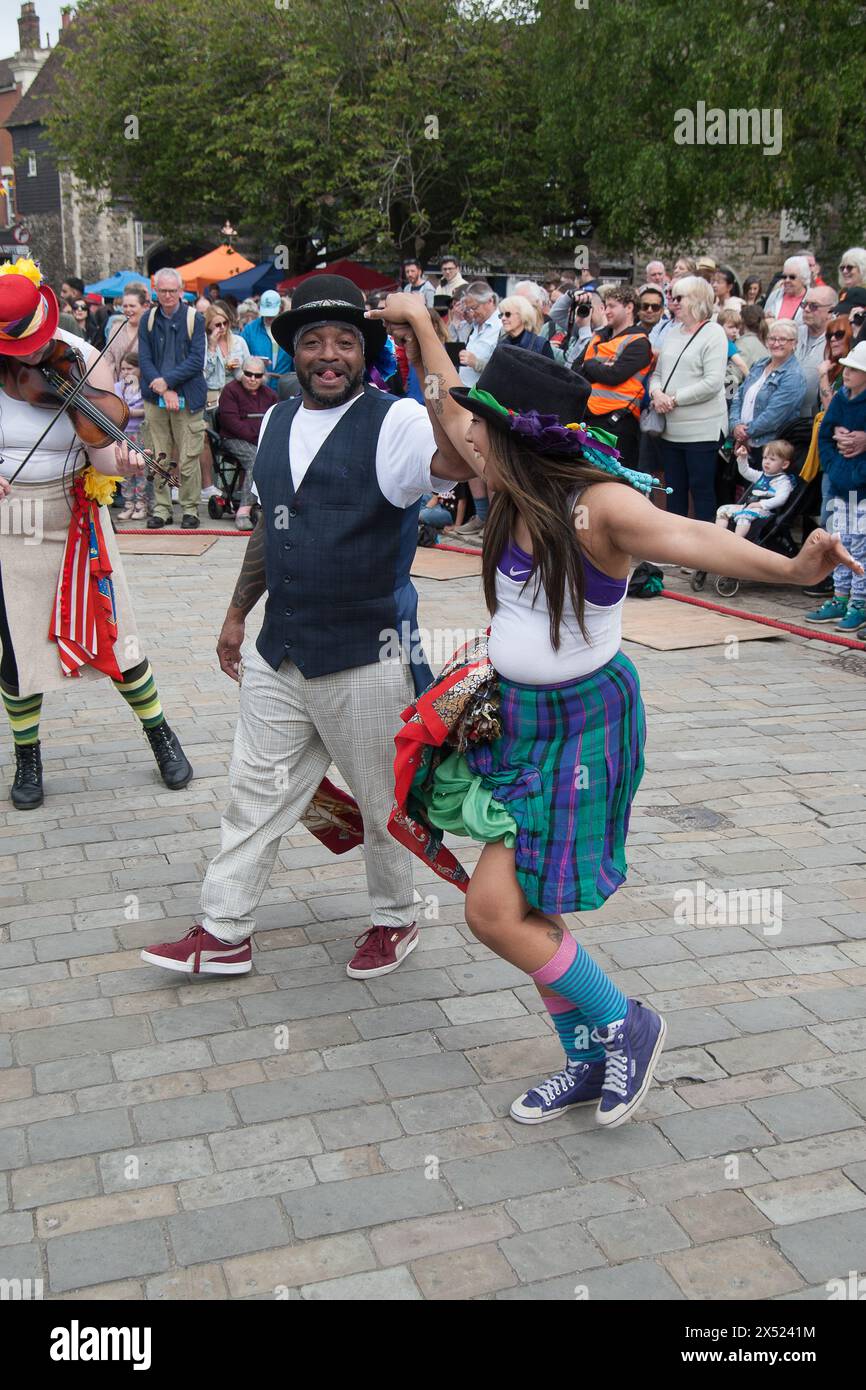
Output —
<point x="158" y="1141"/>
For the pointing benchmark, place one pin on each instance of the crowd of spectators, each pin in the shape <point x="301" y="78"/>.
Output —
<point x="687" y="368"/>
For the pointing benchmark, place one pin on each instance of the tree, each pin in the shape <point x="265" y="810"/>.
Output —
<point x="370" y="123"/>
<point x="613" y="76"/>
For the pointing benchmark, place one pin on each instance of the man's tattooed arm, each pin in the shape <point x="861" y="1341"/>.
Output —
<point x="251" y="580"/>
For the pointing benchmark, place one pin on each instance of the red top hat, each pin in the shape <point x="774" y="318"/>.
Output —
<point x="28" y="315"/>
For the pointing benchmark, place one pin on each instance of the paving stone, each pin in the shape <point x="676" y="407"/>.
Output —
<point x="381" y="1285"/>
<point x="423" y="1114"/>
<point x="362" y="1124"/>
<point x="842" y="1037"/>
<point x="697" y="1027"/>
<point x="21" y="1262"/>
<point x="69" y="944"/>
<point x="293" y="1266"/>
<point x="157" y="1164"/>
<point x="361" y="1054"/>
<point x="78" y="1134"/>
<point x="793" y="1200"/>
<point x="827" y="1247"/>
<point x="405" y="986"/>
<point x="571" y="1204"/>
<point x="97" y="1256"/>
<point x="421" y="1075"/>
<point x="637" y="1281"/>
<point x="628" y="1235"/>
<point x="69" y="1074"/>
<point x="717" y="1215"/>
<point x="742" y="1268"/>
<point x="767" y="1015"/>
<point x="464" y="1274"/>
<point x="302" y="1095"/>
<point x="405" y="1241"/>
<point x="16" y="1228"/>
<point x="221" y="1231"/>
<point x="196" y="1021"/>
<point x="834" y="1005"/>
<point x="801" y="1156"/>
<point x="94" y="1213"/>
<point x="723" y="1129"/>
<point x="748" y="1086"/>
<point x="81" y="1039"/>
<point x="394" y="1019"/>
<point x="466" y="1142"/>
<point x="691" y="1063"/>
<point x="621" y="1151"/>
<point x="254" y="1144"/>
<point x="479" y="1008"/>
<point x="289" y="1005"/>
<point x="173" y="1119"/>
<point x="543" y="1254"/>
<point x="514" y="1060"/>
<point x="802" y="1114"/>
<point x="160" y="1058"/>
<point x="512" y="1173"/>
<point x="767" y="1050"/>
<point x="204" y="1283"/>
<point x="344" y="1206"/>
<point x="54" y="1182"/>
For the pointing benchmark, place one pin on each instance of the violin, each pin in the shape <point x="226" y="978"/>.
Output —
<point x="98" y="416"/>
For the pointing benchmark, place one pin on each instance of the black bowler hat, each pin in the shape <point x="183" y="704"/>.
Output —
<point x="524" y="381"/>
<point x="854" y="298"/>
<point x="329" y="298"/>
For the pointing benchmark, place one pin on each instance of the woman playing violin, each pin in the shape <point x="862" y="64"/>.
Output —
<point x="65" y="609"/>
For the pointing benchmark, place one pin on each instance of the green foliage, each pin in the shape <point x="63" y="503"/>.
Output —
<point x="307" y="123"/>
<point x="611" y="77"/>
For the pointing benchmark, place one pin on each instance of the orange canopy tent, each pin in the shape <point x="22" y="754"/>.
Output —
<point x="216" y="265"/>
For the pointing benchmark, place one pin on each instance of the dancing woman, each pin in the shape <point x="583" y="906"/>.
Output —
<point x="551" y="796"/>
<point x="65" y="610"/>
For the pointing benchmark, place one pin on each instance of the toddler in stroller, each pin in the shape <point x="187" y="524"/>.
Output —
<point x="766" y="521"/>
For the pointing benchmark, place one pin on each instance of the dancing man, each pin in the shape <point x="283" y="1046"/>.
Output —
<point x="339" y="472"/>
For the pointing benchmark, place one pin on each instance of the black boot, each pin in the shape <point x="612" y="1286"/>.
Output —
<point x="171" y="760"/>
<point x="26" y="790"/>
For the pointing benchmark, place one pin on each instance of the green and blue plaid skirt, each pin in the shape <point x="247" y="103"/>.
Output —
<point x="558" y="785"/>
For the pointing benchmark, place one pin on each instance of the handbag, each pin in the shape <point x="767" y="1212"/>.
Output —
<point x="652" y="421"/>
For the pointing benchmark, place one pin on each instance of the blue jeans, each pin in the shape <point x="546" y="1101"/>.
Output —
<point x="691" y="468"/>
<point x="435" y="516"/>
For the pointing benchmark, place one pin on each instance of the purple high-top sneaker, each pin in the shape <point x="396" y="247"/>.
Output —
<point x="579" y="1084"/>
<point x="633" y="1046"/>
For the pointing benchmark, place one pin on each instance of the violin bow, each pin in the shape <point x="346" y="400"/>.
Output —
<point x="69" y="400"/>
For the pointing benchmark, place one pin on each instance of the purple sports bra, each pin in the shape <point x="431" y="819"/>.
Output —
<point x="603" y="591"/>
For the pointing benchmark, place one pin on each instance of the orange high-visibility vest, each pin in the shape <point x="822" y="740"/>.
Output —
<point x="626" y="395"/>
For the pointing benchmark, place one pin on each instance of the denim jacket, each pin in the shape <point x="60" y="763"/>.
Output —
<point x="778" y="402"/>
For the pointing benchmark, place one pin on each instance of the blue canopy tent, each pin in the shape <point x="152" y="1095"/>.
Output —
<point x="114" y="285"/>
<point x="261" y="277"/>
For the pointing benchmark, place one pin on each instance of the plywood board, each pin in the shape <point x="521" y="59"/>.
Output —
<point x="667" y="626"/>
<point x="432" y="563"/>
<point x="148" y="544"/>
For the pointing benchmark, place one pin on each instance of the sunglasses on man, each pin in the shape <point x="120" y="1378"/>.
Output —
<point x="651" y="308"/>
<point x="254" y="376"/>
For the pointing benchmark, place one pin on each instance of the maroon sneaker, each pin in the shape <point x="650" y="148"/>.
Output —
<point x="381" y="950"/>
<point x="199" y="953"/>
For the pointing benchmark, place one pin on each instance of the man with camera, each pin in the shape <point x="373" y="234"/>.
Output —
<point x="618" y="361"/>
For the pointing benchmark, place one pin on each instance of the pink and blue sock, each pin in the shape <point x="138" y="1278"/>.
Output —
<point x="573" y="1030"/>
<point x="574" y="975"/>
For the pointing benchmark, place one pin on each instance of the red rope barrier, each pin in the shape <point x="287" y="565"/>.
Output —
<point x="767" y="622"/>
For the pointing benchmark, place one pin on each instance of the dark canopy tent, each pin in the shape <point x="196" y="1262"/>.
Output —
<point x="260" y="277"/>
<point x="360" y="275"/>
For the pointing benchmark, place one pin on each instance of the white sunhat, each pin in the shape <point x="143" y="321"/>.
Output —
<point x="856" y="358"/>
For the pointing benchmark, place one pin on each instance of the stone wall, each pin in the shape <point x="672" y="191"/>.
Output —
<point x="752" y="247"/>
<point x="98" y="239"/>
<point x="46" y="245"/>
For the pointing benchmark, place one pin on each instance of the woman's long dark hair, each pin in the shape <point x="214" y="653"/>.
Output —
<point x="540" y="489"/>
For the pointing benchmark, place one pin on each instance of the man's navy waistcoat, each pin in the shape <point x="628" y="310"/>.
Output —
<point x="337" y="552"/>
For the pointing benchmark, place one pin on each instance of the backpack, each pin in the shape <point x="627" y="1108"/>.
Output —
<point x="190" y="320"/>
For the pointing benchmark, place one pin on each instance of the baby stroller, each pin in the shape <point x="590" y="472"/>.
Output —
<point x="775" y="532"/>
<point x="228" y="474"/>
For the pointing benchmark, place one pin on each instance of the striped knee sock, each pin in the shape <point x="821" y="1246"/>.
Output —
<point x="575" y="975"/>
<point x="573" y="1030"/>
<point x="23" y="712"/>
<point x="138" y="689"/>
